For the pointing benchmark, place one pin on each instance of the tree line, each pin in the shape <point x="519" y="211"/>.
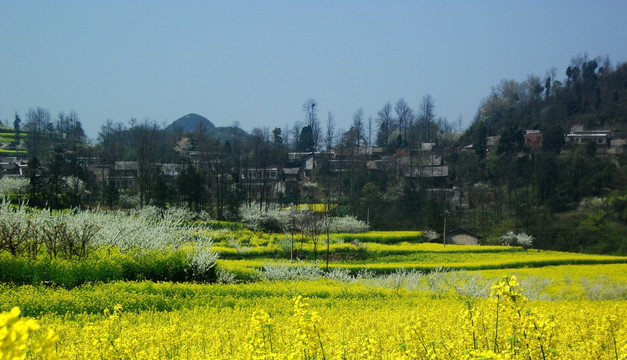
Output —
<point x="507" y="186"/>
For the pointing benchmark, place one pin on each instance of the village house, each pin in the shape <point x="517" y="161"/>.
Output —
<point x="579" y="136"/>
<point x="461" y="236"/>
<point x="261" y="182"/>
<point x="533" y="139"/>
<point x="13" y="167"/>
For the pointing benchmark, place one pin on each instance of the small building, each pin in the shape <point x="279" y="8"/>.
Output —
<point x="533" y="139"/>
<point x="468" y="149"/>
<point x="579" y="136"/>
<point x="461" y="236"/>
<point x="13" y="167"/>
<point x="125" y="174"/>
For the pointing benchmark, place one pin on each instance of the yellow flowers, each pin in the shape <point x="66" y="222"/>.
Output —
<point x="308" y="332"/>
<point x="260" y="336"/>
<point x="508" y="290"/>
<point x="276" y="322"/>
<point x="321" y="208"/>
<point x="15" y="334"/>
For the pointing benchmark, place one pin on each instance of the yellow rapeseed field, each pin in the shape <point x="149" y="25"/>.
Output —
<point x="505" y="326"/>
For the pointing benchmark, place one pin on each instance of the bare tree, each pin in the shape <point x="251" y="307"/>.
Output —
<point x="39" y="128"/>
<point x="404" y="116"/>
<point x="295" y="135"/>
<point x="145" y="140"/>
<point x="325" y="224"/>
<point x="385" y="123"/>
<point x="110" y="149"/>
<point x="358" y="128"/>
<point x="311" y="119"/>
<point x="369" y="142"/>
<point x="328" y="140"/>
<point x="426" y="119"/>
<point x="329" y="144"/>
<point x="312" y="225"/>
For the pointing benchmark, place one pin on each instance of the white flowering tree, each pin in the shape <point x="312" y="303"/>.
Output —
<point x="513" y="239"/>
<point x="13" y="186"/>
<point x="76" y="189"/>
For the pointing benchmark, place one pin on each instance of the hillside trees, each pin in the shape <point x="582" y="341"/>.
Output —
<point x="40" y="130"/>
<point x="538" y="190"/>
<point x="314" y="131"/>
<point x="386" y="125"/>
<point x="16" y="128"/>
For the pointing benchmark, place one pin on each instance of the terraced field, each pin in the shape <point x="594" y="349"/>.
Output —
<point x="379" y="299"/>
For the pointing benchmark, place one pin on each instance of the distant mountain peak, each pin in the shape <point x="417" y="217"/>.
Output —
<point x="189" y="123"/>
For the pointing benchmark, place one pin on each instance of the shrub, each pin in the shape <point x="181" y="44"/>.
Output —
<point x="513" y="239"/>
<point x="348" y="224"/>
<point x="10" y="185"/>
<point x="430" y="236"/>
<point x="270" y="220"/>
<point x="524" y="240"/>
<point x="202" y="262"/>
<point x="286" y="271"/>
<point x="509" y="239"/>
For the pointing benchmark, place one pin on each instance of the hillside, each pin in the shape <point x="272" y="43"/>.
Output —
<point x="519" y="170"/>
<point x="189" y="123"/>
<point x="594" y="95"/>
<point x="192" y="122"/>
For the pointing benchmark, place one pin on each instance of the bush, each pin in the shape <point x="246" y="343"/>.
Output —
<point x="430" y="236"/>
<point x="348" y="224"/>
<point x="513" y="239"/>
<point x="509" y="239"/>
<point x="271" y="220"/>
<point x="10" y="186"/>
<point x="202" y="262"/>
<point x="277" y="220"/>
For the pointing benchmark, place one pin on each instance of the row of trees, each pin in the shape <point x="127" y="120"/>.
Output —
<point x="212" y="168"/>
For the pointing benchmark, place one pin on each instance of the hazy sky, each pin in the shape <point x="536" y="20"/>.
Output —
<point x="258" y="62"/>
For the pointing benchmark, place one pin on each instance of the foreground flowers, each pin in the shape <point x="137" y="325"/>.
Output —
<point x="15" y="334"/>
<point x="352" y="326"/>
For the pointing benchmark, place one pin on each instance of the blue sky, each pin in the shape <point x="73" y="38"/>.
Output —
<point x="257" y="62"/>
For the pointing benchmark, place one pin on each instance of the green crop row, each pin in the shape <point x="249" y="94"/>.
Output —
<point x="383" y="237"/>
<point x="100" y="266"/>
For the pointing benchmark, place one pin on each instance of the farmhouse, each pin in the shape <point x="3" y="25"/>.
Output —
<point x="12" y="166"/>
<point x="461" y="236"/>
<point x="533" y="139"/>
<point x="580" y="136"/>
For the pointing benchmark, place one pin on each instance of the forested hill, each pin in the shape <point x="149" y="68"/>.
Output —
<point x="568" y="196"/>
<point x="594" y="95"/>
<point x="191" y="123"/>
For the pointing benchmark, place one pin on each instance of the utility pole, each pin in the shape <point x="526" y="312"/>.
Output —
<point x="445" y="214"/>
